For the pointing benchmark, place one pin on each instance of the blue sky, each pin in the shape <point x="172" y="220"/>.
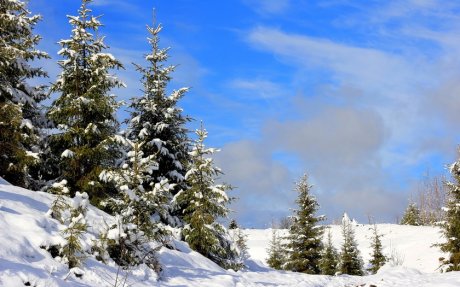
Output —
<point x="364" y="96"/>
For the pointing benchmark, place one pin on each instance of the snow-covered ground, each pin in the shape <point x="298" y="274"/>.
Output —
<point x="412" y="246"/>
<point x="25" y="227"/>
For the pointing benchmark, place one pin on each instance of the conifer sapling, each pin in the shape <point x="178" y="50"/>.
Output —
<point x="350" y="259"/>
<point x="329" y="257"/>
<point x="377" y="257"/>
<point x="304" y="244"/>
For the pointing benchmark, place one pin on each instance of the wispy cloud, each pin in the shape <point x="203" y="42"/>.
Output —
<point x="257" y="88"/>
<point x="362" y="66"/>
<point x="269" y="6"/>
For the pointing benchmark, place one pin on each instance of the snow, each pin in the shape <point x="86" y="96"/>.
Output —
<point x="67" y="153"/>
<point x="25" y="227"/>
<point x="412" y="243"/>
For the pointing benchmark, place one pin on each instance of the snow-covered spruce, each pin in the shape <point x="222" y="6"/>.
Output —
<point x="84" y="112"/>
<point x="451" y="225"/>
<point x="304" y="244"/>
<point x="350" y="258"/>
<point x="240" y="238"/>
<point x="411" y="215"/>
<point x="275" y="253"/>
<point x="138" y="208"/>
<point x="329" y="262"/>
<point x="205" y="202"/>
<point x="158" y="121"/>
<point x="21" y="116"/>
<point x="377" y="257"/>
<point x="72" y="251"/>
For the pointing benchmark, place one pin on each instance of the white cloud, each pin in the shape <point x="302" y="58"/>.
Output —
<point x="363" y="67"/>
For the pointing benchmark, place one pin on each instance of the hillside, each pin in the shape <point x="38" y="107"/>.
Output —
<point x="411" y="245"/>
<point x="26" y="228"/>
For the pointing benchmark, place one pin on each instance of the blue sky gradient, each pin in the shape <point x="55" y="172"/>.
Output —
<point x="361" y="95"/>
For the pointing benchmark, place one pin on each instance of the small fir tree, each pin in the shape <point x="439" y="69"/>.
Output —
<point x="233" y="224"/>
<point x="137" y="210"/>
<point x="304" y="240"/>
<point x="72" y="252"/>
<point x="21" y="115"/>
<point x="329" y="257"/>
<point x="127" y="245"/>
<point x="60" y="207"/>
<point x="350" y="260"/>
<point x="158" y="121"/>
<point x="205" y="202"/>
<point x="240" y="238"/>
<point x="276" y="252"/>
<point x="377" y="257"/>
<point x="84" y="112"/>
<point x="411" y="215"/>
<point x="451" y="225"/>
<point x="144" y="204"/>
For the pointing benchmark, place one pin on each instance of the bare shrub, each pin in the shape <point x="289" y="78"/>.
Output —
<point x="432" y="195"/>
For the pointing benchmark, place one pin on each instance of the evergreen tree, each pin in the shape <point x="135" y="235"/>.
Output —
<point x="60" y="207"/>
<point x="21" y="116"/>
<point x="127" y="245"/>
<point x="276" y="253"/>
<point x="451" y="226"/>
<point x="411" y="215"/>
<point x="84" y="112"/>
<point x="205" y="202"/>
<point x="304" y="240"/>
<point x="158" y="121"/>
<point x="377" y="257"/>
<point x="138" y="210"/>
<point x="233" y="224"/>
<point x="350" y="259"/>
<point x="329" y="258"/>
<point x="241" y="239"/>
<point x="72" y="252"/>
<point x="143" y="204"/>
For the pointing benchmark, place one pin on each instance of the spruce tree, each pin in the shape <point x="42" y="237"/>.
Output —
<point x="377" y="257"/>
<point x="329" y="257"/>
<point x="72" y="251"/>
<point x="411" y="215"/>
<point x="205" y="202"/>
<point x="144" y="205"/>
<point x="60" y="207"/>
<point x="276" y="253"/>
<point x="304" y="240"/>
<point x="233" y="224"/>
<point x="350" y="259"/>
<point x="241" y="240"/>
<point x="451" y="225"/>
<point x="158" y="121"/>
<point x="84" y="112"/>
<point x="21" y="115"/>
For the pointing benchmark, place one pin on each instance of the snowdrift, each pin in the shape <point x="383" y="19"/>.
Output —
<point x="26" y="231"/>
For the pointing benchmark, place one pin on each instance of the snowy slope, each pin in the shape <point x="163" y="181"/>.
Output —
<point x="25" y="227"/>
<point x="412" y="244"/>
